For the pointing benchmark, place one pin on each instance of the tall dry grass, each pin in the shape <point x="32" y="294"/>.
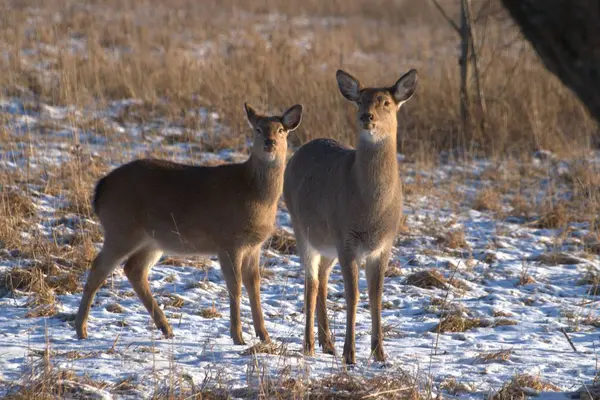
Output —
<point x="182" y="54"/>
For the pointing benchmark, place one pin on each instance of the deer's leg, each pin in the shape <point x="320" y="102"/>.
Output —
<point x="105" y="262"/>
<point x="231" y="265"/>
<point x="251" y="279"/>
<point x="309" y="258"/>
<point x="323" y="328"/>
<point x="349" y="265"/>
<point x="137" y="268"/>
<point x="375" y="271"/>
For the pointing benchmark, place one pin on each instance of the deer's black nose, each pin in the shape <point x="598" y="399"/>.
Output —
<point x="366" y="117"/>
<point x="269" y="145"/>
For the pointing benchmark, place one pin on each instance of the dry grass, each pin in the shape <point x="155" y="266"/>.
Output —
<point x="488" y="199"/>
<point x="45" y="381"/>
<point x="494" y="356"/>
<point x="527" y="107"/>
<point x="264" y="348"/>
<point x="457" y="323"/>
<point x="556" y="258"/>
<point x="453" y="239"/>
<point x="523" y="386"/>
<point x="16" y="204"/>
<point x="525" y="279"/>
<point x="210" y="312"/>
<point x="591" y="278"/>
<point x="434" y="279"/>
<point x="115" y="308"/>
<point x="454" y="387"/>
<point x="345" y="386"/>
<point x="427" y="279"/>
<point x="394" y="269"/>
<point x="504" y="322"/>
<point x="282" y="242"/>
<point x="501" y="313"/>
<point x="520" y="207"/>
<point x="553" y="216"/>
<point x="174" y="301"/>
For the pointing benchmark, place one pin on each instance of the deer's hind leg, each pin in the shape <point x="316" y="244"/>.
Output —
<point x="325" y="339"/>
<point x="137" y="268"/>
<point x="108" y="259"/>
<point x="309" y="259"/>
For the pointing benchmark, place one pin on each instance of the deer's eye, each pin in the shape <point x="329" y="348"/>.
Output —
<point x="386" y="103"/>
<point x="280" y="130"/>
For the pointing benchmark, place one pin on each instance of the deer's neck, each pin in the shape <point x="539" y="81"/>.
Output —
<point x="376" y="169"/>
<point x="266" y="180"/>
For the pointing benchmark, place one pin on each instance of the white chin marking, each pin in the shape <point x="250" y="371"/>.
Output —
<point x="270" y="157"/>
<point x="368" y="136"/>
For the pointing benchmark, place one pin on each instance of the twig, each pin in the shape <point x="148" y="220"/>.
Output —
<point x="112" y="348"/>
<point x="386" y="392"/>
<point x="446" y="17"/>
<point x="564" y="332"/>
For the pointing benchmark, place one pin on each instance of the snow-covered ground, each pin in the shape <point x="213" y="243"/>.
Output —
<point x="503" y="279"/>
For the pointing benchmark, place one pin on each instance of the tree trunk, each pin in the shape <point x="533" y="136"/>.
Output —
<point x="566" y="36"/>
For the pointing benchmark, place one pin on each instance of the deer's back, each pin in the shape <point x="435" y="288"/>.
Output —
<point x="182" y="208"/>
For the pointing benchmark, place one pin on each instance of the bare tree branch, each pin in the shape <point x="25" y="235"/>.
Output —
<point x="446" y="16"/>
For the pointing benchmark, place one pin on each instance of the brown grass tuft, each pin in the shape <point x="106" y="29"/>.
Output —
<point x="457" y="323"/>
<point x="394" y="269"/>
<point x="13" y="203"/>
<point x="427" y="279"/>
<point x="115" y="308"/>
<point x="48" y="382"/>
<point x="504" y="322"/>
<point x="488" y="199"/>
<point x="264" y="348"/>
<point x="44" y="310"/>
<point x="453" y="239"/>
<point x="521" y="387"/>
<point x="399" y="386"/>
<point x="174" y="301"/>
<point x="501" y="313"/>
<point x="521" y="208"/>
<point x="282" y="242"/>
<point x="525" y="279"/>
<point x="556" y="258"/>
<point x="24" y="279"/>
<point x="454" y="387"/>
<point x="494" y="356"/>
<point x="553" y="216"/>
<point x="211" y="312"/>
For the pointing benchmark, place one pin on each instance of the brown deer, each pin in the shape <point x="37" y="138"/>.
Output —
<point x="150" y="207"/>
<point x="346" y="203"/>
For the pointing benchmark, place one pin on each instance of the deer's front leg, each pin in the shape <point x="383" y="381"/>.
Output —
<point x="349" y="266"/>
<point x="376" y="266"/>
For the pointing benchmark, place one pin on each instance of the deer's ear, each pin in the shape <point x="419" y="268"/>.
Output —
<point x="405" y="87"/>
<point x="292" y="117"/>
<point x="251" y="115"/>
<point x="349" y="86"/>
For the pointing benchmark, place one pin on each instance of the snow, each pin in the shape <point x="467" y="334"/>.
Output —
<point x="127" y="346"/>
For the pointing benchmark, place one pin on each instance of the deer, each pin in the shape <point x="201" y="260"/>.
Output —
<point x="346" y="203"/>
<point x="150" y="207"/>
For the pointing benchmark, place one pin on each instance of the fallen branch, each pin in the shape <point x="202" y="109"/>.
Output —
<point x="568" y="339"/>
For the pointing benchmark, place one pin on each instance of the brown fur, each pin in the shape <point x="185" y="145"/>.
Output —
<point x="347" y="203"/>
<point x="150" y="207"/>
